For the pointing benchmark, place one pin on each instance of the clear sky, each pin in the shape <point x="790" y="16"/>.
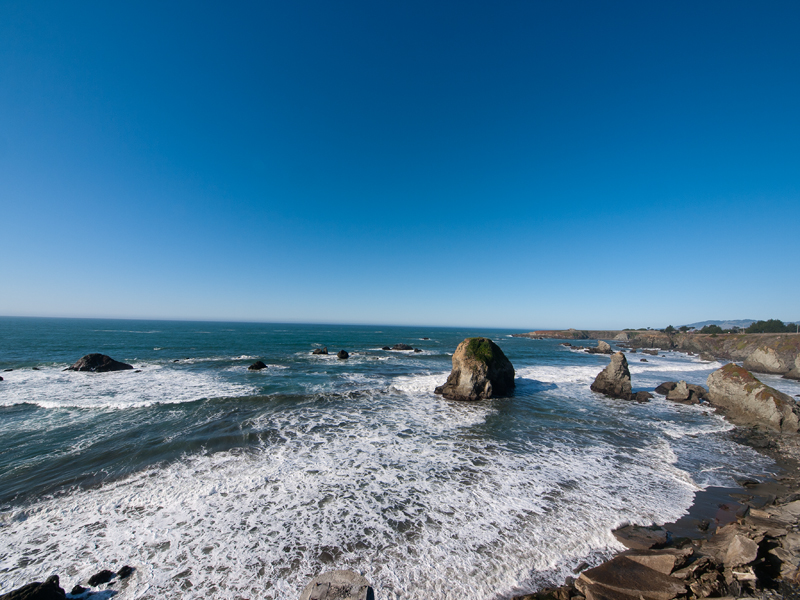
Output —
<point x="516" y="164"/>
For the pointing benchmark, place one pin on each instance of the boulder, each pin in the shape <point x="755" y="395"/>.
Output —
<point x="615" y="379"/>
<point x="402" y="347"/>
<point x="706" y="357"/>
<point x="342" y="354"/>
<point x="736" y="390"/>
<point x="702" y="393"/>
<point x="257" y="366"/>
<point x="665" y="387"/>
<point x="683" y="394"/>
<point x="125" y="572"/>
<point x="622" y="577"/>
<point x="101" y="577"/>
<point x="98" y="363"/>
<point x="765" y="360"/>
<point x="386" y="348"/>
<point x="480" y="370"/>
<point x="1" y="379"/>
<point x="602" y="348"/>
<point x="637" y="537"/>
<point x="49" y="590"/>
<point x="323" y="350"/>
<point x="642" y="396"/>
<point x="417" y="350"/>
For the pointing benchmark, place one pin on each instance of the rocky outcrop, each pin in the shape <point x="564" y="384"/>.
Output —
<point x="602" y="348"/>
<point x="339" y="585"/>
<point x="748" y="401"/>
<point x="615" y="379"/>
<point x="765" y="360"/>
<point x="794" y="372"/>
<point x="98" y="363"/>
<point x="622" y="336"/>
<point x="323" y="350"/>
<point x="257" y="366"/>
<point x="342" y="354"/>
<point x="684" y="393"/>
<point x="480" y="370"/>
<point x="401" y="347"/>
<point x="49" y="590"/>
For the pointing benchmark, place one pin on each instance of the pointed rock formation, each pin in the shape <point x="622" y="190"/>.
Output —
<point x="615" y="379"/>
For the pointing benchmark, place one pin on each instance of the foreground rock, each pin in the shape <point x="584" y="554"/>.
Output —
<point x="750" y="402"/>
<point x="257" y="366"/>
<point x="480" y="370"/>
<point x="49" y="590"/>
<point x="615" y="379"/>
<point x="98" y="363"/>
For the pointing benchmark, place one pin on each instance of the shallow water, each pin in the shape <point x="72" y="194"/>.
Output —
<point x="215" y="481"/>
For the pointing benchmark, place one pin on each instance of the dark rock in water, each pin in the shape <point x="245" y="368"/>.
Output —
<point x="706" y="357"/>
<point x="642" y="396"/>
<point x="665" y="387"/>
<point x="78" y="590"/>
<point x="650" y="352"/>
<point x="566" y="344"/>
<point x="176" y="360"/>
<point x="643" y="360"/>
<point x="417" y="350"/>
<point x="623" y="577"/>
<point x="426" y="338"/>
<point x="402" y="347"/>
<point x="138" y="371"/>
<point x="103" y="576"/>
<point x="98" y="363"/>
<point x="684" y="394"/>
<point x="320" y="350"/>
<point x="49" y="590"/>
<point x="480" y="370"/>
<point x="615" y="379"/>
<point x="125" y="572"/>
<point x="7" y="370"/>
<point x="34" y="368"/>
<point x="1" y="379"/>
<point x="342" y="354"/>
<point x="257" y="366"/>
<point x="386" y="348"/>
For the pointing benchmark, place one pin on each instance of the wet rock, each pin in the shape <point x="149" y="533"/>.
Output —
<point x="323" y="350"/>
<point x="637" y="537"/>
<point x="257" y="366"/>
<point x="417" y="350"/>
<point x="386" y="348"/>
<point x="78" y="590"/>
<point x="7" y="370"/>
<point x="683" y="393"/>
<point x="615" y="379"/>
<point x="338" y="585"/>
<point x="402" y="347"/>
<point x="480" y="370"/>
<point x="125" y="572"/>
<point x="665" y="387"/>
<point x="103" y="576"/>
<point x="642" y="396"/>
<point x="426" y="338"/>
<point x="342" y="354"/>
<point x="643" y="360"/>
<point x="1" y="379"/>
<point x="98" y="363"/>
<point x="49" y="590"/>
<point x="736" y="390"/>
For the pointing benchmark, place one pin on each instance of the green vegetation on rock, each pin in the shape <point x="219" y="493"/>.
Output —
<point x="481" y="349"/>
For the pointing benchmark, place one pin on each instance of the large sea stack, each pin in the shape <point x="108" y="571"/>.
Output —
<point x="751" y="402"/>
<point x="615" y="379"/>
<point x="98" y="363"/>
<point x="480" y="370"/>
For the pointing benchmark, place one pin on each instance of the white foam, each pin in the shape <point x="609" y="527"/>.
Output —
<point x="51" y="387"/>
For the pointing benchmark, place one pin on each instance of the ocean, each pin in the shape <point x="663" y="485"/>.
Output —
<point x="214" y="481"/>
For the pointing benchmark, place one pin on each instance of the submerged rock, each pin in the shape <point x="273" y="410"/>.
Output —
<point x="615" y="379"/>
<point x="98" y="363"/>
<point x="747" y="399"/>
<point x="480" y="370"/>
<point x="257" y="366"/>
<point x="49" y="590"/>
<point x="401" y="347"/>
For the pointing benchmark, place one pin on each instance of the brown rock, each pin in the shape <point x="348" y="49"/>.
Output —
<point x="342" y="355"/>
<point x="480" y="370"/>
<point x="637" y="537"/>
<point x="98" y="363"/>
<point x="615" y="379"/>
<point x="642" y="396"/>
<point x="622" y="577"/>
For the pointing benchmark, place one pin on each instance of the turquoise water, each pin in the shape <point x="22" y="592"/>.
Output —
<point x="215" y="481"/>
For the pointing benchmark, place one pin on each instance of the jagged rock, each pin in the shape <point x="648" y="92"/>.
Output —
<point x="338" y="585"/>
<point x="125" y="572"/>
<point x="480" y="370"/>
<point x="747" y="399"/>
<point x="765" y="360"/>
<point x="615" y="379"/>
<point x="257" y="366"/>
<point x="666" y="387"/>
<point x="103" y="576"/>
<point x="98" y="363"/>
<point x="342" y="354"/>
<point x="664" y="561"/>
<point x="683" y="393"/>
<point x="49" y="590"/>
<point x="323" y="350"/>
<point x="602" y="348"/>
<point x="417" y="350"/>
<point x="622" y="577"/>
<point x="637" y="537"/>
<point x="402" y="347"/>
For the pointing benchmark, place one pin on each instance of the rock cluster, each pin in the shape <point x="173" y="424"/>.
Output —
<point x="98" y="363"/>
<point x="480" y="370"/>
<point x="323" y="350"/>
<point x="52" y="590"/>
<point x="602" y="348"/>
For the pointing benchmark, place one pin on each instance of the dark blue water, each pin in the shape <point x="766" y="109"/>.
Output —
<point x="213" y="480"/>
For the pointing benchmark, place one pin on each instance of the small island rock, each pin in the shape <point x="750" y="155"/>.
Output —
<point x="342" y="354"/>
<point x="615" y="379"/>
<point x="480" y="370"/>
<point x="747" y="399"/>
<point x="257" y="366"/>
<point x="402" y="347"/>
<point x="98" y="363"/>
<point x="323" y="350"/>
<point x="602" y="348"/>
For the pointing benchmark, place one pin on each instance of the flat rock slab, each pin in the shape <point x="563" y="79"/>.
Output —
<point x="624" y="578"/>
<point x="338" y="585"/>
<point x="636" y="537"/>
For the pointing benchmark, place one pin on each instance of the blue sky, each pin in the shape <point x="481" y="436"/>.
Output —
<point x="524" y="165"/>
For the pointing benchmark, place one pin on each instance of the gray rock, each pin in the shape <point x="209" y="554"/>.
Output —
<point x="747" y="399"/>
<point x="98" y="363"/>
<point x="480" y="370"/>
<point x="765" y="360"/>
<point x="338" y="585"/>
<point x="666" y="387"/>
<point x="602" y="348"/>
<point x="615" y="379"/>
<point x="401" y="347"/>
<point x="683" y="394"/>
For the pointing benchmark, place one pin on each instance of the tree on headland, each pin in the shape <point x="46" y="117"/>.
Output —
<point x="711" y="329"/>
<point x="669" y="330"/>
<point x="684" y="328"/>
<point x="771" y="326"/>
